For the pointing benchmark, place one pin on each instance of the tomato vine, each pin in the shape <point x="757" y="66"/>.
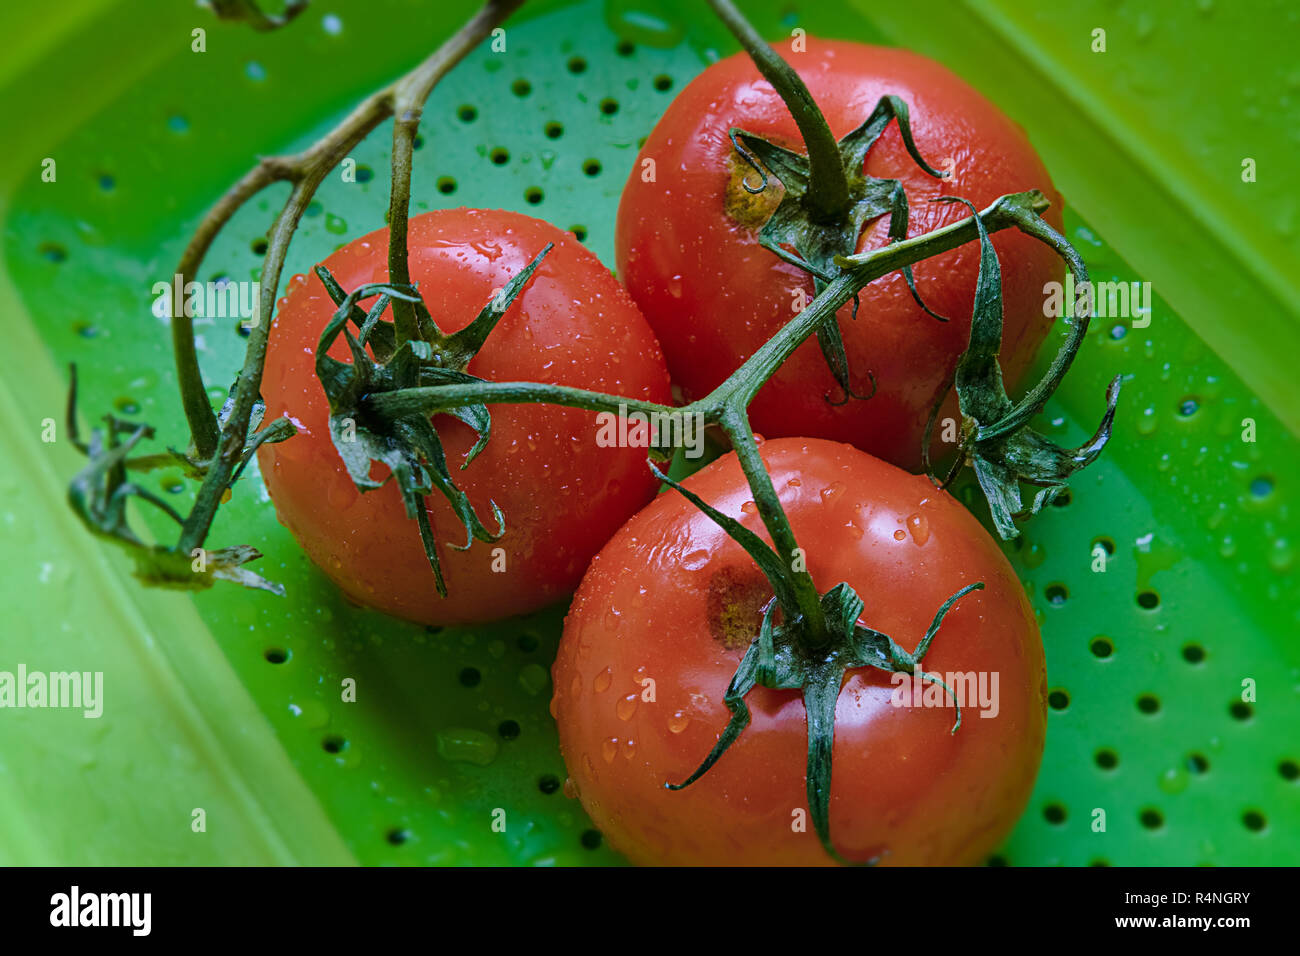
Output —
<point x="405" y="371"/>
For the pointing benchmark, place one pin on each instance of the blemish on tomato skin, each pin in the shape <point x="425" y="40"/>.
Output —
<point x="750" y="210"/>
<point x="735" y="606"/>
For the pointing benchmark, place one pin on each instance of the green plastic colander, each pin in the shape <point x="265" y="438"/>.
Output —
<point x="229" y="701"/>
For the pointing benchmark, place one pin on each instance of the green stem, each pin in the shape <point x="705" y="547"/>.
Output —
<point x="813" y="633"/>
<point x="433" y="399"/>
<point x="859" y="271"/>
<point x="306" y="171"/>
<point x="727" y="405"/>
<point x="233" y="436"/>
<point x="828" y="187"/>
<point x="409" y="96"/>
<point x="194" y="395"/>
<point x="739" y="390"/>
<point x="405" y="324"/>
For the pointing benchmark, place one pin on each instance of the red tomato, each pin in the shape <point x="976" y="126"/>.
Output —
<point x="687" y="244"/>
<point x="672" y="600"/>
<point x="562" y="494"/>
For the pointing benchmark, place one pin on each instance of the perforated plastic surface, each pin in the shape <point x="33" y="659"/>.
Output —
<point x="1146" y="660"/>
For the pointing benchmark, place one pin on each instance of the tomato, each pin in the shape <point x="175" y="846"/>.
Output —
<point x="664" y="615"/>
<point x="687" y="244"/>
<point x="561" y="493"/>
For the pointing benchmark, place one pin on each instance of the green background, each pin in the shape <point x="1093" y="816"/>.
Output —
<point x="229" y="701"/>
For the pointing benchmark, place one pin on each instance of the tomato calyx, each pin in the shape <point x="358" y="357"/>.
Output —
<point x="798" y="230"/>
<point x="99" y="494"/>
<point x="405" y="440"/>
<point x="799" y="234"/>
<point x="783" y="657"/>
<point x="827" y="199"/>
<point x="996" y="438"/>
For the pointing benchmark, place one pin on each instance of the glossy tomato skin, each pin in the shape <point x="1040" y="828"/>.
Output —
<point x="687" y="244"/>
<point x="671" y="599"/>
<point x="562" y="494"/>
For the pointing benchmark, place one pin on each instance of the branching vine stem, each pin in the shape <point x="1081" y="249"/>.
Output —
<point x="727" y="405"/>
<point x="306" y="171"/>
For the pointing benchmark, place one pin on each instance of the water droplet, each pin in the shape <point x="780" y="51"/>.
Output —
<point x="311" y="713"/>
<point x="575" y="687"/>
<point x="626" y="706"/>
<point x="694" y="560"/>
<point x="679" y="721"/>
<point x="900" y="535"/>
<point x="919" y="527"/>
<point x="832" y="491"/>
<point x="1153" y="554"/>
<point x="749" y="508"/>
<point x="533" y="678"/>
<point x="1146" y="423"/>
<point x="1174" y="780"/>
<point x="628" y="750"/>
<point x="335" y="224"/>
<point x="1280" y="556"/>
<point x="675" y="287"/>
<point x="603" y="680"/>
<point x="609" y="749"/>
<point x="631" y="20"/>
<point x="460" y="745"/>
